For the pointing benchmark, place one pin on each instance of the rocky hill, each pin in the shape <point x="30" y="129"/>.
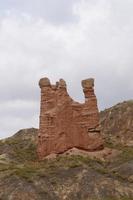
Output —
<point x="117" y="124"/>
<point x="71" y="177"/>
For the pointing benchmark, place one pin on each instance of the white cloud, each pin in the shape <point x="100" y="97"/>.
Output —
<point x="99" y="45"/>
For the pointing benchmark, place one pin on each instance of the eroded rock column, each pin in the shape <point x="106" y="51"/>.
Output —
<point x="64" y="123"/>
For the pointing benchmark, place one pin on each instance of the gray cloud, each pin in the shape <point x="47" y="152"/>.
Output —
<point x="58" y="12"/>
<point x="98" y="45"/>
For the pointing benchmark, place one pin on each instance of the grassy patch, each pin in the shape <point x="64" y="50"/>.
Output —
<point x="21" y="150"/>
<point x="25" y="172"/>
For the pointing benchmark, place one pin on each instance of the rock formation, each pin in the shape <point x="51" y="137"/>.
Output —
<point x="64" y="123"/>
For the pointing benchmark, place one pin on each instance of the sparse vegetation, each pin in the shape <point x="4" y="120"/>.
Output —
<point x="19" y="164"/>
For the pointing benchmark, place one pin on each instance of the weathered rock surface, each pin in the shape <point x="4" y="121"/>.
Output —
<point x="117" y="123"/>
<point x="65" y="124"/>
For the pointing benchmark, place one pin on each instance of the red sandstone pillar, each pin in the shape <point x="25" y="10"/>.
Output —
<point x="64" y="123"/>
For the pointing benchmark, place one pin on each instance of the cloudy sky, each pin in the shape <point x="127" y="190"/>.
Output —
<point x="70" y="39"/>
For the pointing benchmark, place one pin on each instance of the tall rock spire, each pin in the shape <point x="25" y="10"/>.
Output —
<point x="64" y="123"/>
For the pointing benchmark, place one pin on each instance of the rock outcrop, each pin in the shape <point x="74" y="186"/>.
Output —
<point x="64" y="123"/>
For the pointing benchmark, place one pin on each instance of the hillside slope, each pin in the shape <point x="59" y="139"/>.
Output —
<point x="117" y="123"/>
<point x="67" y="177"/>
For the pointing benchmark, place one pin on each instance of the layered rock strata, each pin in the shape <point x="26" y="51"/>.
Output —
<point x="64" y="123"/>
